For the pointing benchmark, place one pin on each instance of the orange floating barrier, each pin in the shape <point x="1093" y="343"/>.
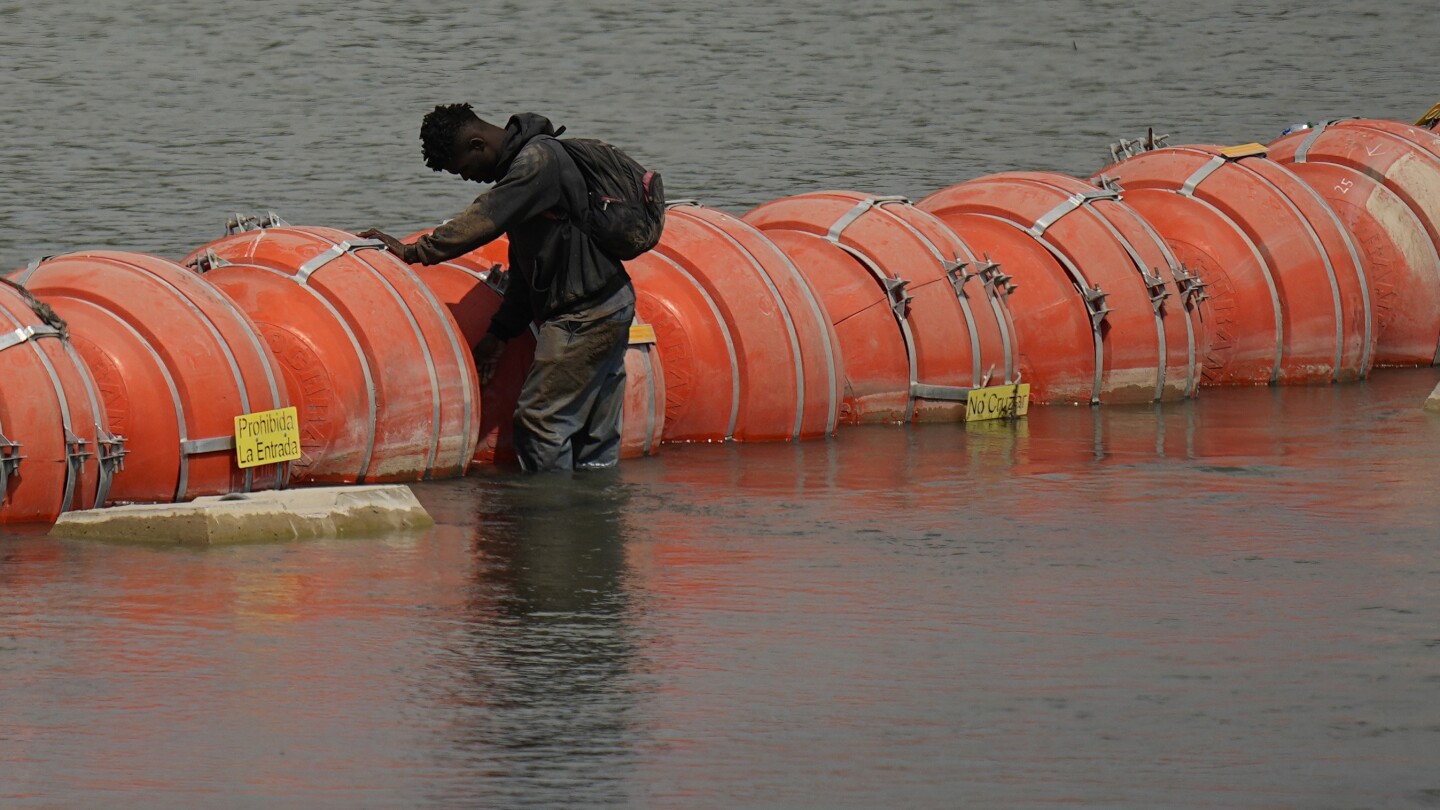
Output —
<point x="753" y="311"/>
<point x="702" y="368"/>
<point x="1380" y="177"/>
<point x="1325" y="331"/>
<point x="473" y="295"/>
<point x="55" y="452"/>
<point x="1124" y="282"/>
<point x="916" y="334"/>
<point x="385" y="385"/>
<point x="175" y="362"/>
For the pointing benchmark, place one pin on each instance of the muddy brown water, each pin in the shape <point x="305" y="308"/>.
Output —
<point x="1233" y="602"/>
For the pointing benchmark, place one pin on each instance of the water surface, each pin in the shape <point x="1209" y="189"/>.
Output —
<point x="1233" y="602"/>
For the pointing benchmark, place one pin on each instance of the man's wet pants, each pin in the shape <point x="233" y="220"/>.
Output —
<point x="570" y="407"/>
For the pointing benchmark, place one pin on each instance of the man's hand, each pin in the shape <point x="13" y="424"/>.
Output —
<point x="391" y="243"/>
<point x="487" y="356"/>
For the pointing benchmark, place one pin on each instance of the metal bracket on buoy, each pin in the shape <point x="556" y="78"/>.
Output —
<point x="895" y="291"/>
<point x="240" y="223"/>
<point x="1192" y="289"/>
<point x="995" y="280"/>
<point x="207" y="261"/>
<point x="1096" y="306"/>
<point x="955" y="271"/>
<point x="75" y="455"/>
<point x="1127" y="148"/>
<point x="1109" y="183"/>
<point x="1156" y="287"/>
<point x="112" y="454"/>
<point x="10" y="459"/>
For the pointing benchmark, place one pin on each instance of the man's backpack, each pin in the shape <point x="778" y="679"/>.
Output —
<point x="626" y="210"/>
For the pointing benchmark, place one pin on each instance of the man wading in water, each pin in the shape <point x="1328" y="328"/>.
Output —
<point x="569" y="411"/>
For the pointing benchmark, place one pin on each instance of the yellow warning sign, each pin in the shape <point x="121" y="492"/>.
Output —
<point x="267" y="437"/>
<point x="997" y="402"/>
<point x="641" y="333"/>
<point x="1243" y="150"/>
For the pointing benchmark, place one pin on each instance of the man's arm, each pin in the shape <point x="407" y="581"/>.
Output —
<point x="530" y="187"/>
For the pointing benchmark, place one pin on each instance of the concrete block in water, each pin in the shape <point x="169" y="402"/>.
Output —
<point x="257" y="517"/>
<point x="1433" y="403"/>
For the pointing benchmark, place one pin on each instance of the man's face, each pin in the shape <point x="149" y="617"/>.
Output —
<point x="473" y="158"/>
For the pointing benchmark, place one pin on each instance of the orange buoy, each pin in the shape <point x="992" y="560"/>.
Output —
<point x="702" y="368"/>
<point x="1401" y="263"/>
<point x="905" y="274"/>
<point x="1124" y="281"/>
<point x="386" y="387"/>
<point x="1405" y="161"/>
<point x="1326" y="330"/>
<point x="642" y="427"/>
<point x="175" y="361"/>
<point x="473" y="295"/>
<point x="55" y="452"/>
<point x="743" y="311"/>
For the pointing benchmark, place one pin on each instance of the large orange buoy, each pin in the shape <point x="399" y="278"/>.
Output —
<point x="786" y="370"/>
<point x="1123" y="279"/>
<point x="904" y="274"/>
<point x="702" y="368"/>
<point x="175" y="361"/>
<point x="1380" y="177"/>
<point x="386" y="387"/>
<point x="473" y="295"/>
<point x="1401" y="263"/>
<point x="1326" y="331"/>
<point x="55" y="452"/>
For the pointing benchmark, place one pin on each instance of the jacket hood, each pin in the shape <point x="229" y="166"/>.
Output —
<point x="520" y="130"/>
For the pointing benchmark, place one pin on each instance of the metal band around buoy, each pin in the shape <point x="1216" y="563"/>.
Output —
<point x="347" y="246"/>
<point x="75" y="454"/>
<point x="109" y="449"/>
<point x="954" y="272"/>
<point x="1302" y="152"/>
<point x="1071" y="203"/>
<point x="337" y="249"/>
<point x="1188" y="190"/>
<point x="724" y="333"/>
<point x="822" y="317"/>
<point x="1192" y="377"/>
<point x="1366" y="351"/>
<point x="1093" y="298"/>
<point x="1156" y="299"/>
<point x="230" y="359"/>
<point x="262" y="351"/>
<point x="1085" y="200"/>
<point x="855" y="213"/>
<point x="25" y="334"/>
<point x="1329" y="272"/>
<point x="644" y="343"/>
<point x="372" y="407"/>
<point x="795" y="350"/>
<point x="898" y="299"/>
<point x="463" y="360"/>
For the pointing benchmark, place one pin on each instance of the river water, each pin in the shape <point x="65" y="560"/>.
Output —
<point x="1232" y="602"/>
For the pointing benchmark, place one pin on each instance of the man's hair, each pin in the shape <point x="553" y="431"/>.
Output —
<point x="437" y="132"/>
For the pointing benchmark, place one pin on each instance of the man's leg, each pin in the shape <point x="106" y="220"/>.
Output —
<point x="597" y="443"/>
<point x="564" y="383"/>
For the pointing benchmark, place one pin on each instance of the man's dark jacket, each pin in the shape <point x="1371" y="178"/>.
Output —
<point x="555" y="269"/>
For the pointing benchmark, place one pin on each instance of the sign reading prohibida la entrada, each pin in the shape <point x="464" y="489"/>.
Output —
<point x="268" y="437"/>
